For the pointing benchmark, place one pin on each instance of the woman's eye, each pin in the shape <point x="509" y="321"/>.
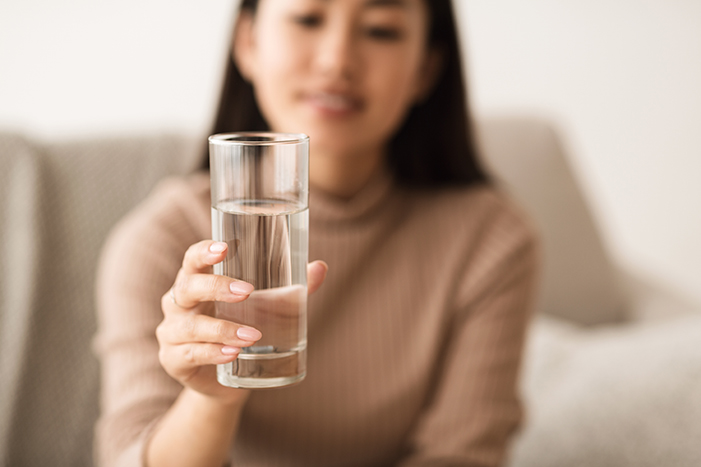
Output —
<point x="308" y="21"/>
<point x="384" y="33"/>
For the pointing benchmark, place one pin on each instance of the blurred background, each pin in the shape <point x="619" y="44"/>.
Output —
<point x="620" y="79"/>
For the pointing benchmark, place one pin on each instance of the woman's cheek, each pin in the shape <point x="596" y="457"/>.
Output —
<point x="398" y="90"/>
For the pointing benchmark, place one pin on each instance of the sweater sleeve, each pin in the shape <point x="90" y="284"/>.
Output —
<point x="138" y="265"/>
<point x="475" y="408"/>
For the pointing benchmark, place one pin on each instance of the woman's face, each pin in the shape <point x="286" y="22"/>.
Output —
<point x="345" y="72"/>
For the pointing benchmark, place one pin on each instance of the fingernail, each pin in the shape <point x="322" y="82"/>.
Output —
<point x="228" y="350"/>
<point x="241" y="288"/>
<point x="249" y="334"/>
<point x="217" y="247"/>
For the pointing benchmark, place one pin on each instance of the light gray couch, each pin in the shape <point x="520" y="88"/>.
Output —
<point x="59" y="201"/>
<point x="604" y="386"/>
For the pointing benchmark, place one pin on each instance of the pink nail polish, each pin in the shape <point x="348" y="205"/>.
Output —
<point x="249" y="334"/>
<point x="228" y="350"/>
<point x="217" y="247"/>
<point x="240" y="288"/>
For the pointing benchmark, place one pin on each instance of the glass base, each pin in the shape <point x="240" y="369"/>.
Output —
<point x="258" y="383"/>
<point x="267" y="370"/>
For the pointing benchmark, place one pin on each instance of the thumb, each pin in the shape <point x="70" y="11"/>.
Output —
<point x="316" y="273"/>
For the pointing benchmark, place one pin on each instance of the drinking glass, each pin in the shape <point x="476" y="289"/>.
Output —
<point x="260" y="201"/>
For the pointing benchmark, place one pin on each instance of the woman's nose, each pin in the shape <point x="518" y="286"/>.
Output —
<point x="337" y="54"/>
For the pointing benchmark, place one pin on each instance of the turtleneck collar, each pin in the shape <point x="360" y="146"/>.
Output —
<point x="325" y="208"/>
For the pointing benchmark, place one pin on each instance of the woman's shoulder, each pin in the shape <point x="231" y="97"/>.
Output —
<point x="483" y="210"/>
<point x="475" y="235"/>
<point x="176" y="212"/>
<point x="485" y="234"/>
<point x="180" y="193"/>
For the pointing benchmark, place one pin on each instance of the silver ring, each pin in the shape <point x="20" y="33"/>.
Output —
<point x="172" y="298"/>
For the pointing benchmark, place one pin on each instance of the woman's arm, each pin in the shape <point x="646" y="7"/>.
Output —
<point x="143" y="377"/>
<point x="475" y="407"/>
<point x="199" y="428"/>
<point x="146" y="413"/>
<point x="196" y="431"/>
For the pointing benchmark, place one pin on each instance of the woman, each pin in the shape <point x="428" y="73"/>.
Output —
<point x="415" y="337"/>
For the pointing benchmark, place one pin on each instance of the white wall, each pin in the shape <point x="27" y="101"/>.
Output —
<point x="71" y="68"/>
<point x="622" y="78"/>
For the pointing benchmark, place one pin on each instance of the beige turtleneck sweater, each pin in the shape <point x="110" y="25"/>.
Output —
<point x="414" y="340"/>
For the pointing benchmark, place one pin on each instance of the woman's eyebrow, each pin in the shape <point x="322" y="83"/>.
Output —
<point x="374" y="3"/>
<point x="397" y="3"/>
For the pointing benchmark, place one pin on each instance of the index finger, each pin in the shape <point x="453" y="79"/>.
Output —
<point x="202" y="255"/>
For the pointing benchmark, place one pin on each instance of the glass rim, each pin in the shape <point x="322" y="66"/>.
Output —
<point x="271" y="138"/>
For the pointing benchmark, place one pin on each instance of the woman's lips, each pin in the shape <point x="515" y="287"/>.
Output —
<point x="331" y="103"/>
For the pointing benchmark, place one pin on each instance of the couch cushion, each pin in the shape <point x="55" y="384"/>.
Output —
<point x="579" y="282"/>
<point x="621" y="396"/>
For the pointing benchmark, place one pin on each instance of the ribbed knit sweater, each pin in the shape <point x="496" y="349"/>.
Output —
<point x="414" y="339"/>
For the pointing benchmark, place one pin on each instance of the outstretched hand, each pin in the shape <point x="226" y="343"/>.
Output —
<point x="191" y="340"/>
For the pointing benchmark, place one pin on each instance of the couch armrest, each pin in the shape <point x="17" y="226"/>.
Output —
<point x="59" y="201"/>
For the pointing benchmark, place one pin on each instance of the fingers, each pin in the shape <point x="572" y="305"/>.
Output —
<point x="316" y="273"/>
<point x="191" y="289"/>
<point x="185" y="361"/>
<point x="188" y="341"/>
<point x="202" y="255"/>
<point x="206" y="329"/>
<point x="200" y="354"/>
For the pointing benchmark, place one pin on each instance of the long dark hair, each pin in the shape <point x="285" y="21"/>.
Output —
<point x="435" y="146"/>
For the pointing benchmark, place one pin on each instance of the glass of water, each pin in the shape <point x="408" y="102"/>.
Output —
<point x="260" y="201"/>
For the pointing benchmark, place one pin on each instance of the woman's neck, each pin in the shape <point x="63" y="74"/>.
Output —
<point x="343" y="175"/>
